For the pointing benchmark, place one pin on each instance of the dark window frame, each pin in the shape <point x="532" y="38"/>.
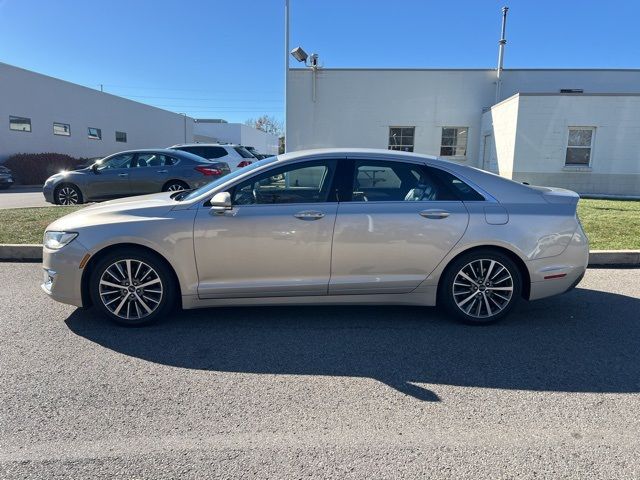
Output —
<point x="120" y="140"/>
<point x="90" y="136"/>
<point x="68" y="132"/>
<point x="399" y="143"/>
<point x="28" y="122"/>
<point x="455" y="145"/>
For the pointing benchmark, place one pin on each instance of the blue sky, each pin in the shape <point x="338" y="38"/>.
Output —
<point x="224" y="58"/>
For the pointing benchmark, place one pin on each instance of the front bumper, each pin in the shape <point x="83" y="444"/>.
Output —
<point x="62" y="275"/>
<point x="47" y="191"/>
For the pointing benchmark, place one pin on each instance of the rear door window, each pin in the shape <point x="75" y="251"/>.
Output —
<point x="390" y="181"/>
<point x="205" y="152"/>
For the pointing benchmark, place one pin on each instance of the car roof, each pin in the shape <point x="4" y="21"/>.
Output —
<point x="501" y="188"/>
<point x="167" y="151"/>
<point x="204" y="145"/>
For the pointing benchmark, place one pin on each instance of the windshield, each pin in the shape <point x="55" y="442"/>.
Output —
<point x="210" y="186"/>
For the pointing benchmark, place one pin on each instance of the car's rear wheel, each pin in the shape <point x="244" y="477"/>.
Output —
<point x="132" y="287"/>
<point x="481" y="287"/>
<point x="175" y="186"/>
<point x="67" y="194"/>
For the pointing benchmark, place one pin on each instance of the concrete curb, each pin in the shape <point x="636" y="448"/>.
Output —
<point x="614" y="257"/>
<point x="13" y="252"/>
<point x="619" y="258"/>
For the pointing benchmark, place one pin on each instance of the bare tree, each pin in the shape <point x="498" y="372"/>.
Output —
<point x="266" y="123"/>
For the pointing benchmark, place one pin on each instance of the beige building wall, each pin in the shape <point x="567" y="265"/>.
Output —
<point x="539" y="147"/>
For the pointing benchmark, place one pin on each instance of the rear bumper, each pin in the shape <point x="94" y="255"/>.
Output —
<point x="555" y="275"/>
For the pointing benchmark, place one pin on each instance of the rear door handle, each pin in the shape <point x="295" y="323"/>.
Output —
<point x="162" y="171"/>
<point x="123" y="174"/>
<point x="434" y="214"/>
<point x="309" y="215"/>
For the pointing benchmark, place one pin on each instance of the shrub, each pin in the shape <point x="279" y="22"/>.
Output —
<point x="35" y="168"/>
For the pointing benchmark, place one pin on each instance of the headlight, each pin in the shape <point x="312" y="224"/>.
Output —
<point x="57" y="240"/>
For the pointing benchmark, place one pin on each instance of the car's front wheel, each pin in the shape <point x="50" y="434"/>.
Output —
<point x="67" y="194"/>
<point x="132" y="287"/>
<point x="481" y="287"/>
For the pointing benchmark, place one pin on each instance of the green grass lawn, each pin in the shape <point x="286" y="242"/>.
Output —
<point x="26" y="225"/>
<point x="610" y="224"/>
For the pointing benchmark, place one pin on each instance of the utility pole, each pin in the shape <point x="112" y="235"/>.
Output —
<point x="501" y="44"/>
<point x="286" y="67"/>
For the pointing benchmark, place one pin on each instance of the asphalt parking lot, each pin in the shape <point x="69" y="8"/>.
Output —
<point x="16" y="197"/>
<point x="330" y="392"/>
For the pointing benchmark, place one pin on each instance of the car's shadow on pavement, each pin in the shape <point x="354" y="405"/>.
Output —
<point x="584" y="341"/>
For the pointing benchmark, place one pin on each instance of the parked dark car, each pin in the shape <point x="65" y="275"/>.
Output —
<point x="6" y="178"/>
<point x="133" y="172"/>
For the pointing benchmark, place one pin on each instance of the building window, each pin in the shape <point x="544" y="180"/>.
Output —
<point x="20" y="124"/>
<point x="94" y="133"/>
<point x="401" y="138"/>
<point x="63" y="129"/>
<point x="454" y="142"/>
<point x="121" y="137"/>
<point x="579" y="146"/>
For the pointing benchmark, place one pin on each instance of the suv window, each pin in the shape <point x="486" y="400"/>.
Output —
<point x="382" y="181"/>
<point x="243" y="152"/>
<point x="154" y="160"/>
<point x="306" y="183"/>
<point x="119" y="161"/>
<point x="205" y="152"/>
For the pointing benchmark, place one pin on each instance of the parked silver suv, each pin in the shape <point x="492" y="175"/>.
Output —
<point x="236" y="156"/>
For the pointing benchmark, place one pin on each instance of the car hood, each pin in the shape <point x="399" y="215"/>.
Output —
<point x="121" y="210"/>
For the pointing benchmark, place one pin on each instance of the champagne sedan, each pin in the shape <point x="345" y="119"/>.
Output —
<point x="334" y="226"/>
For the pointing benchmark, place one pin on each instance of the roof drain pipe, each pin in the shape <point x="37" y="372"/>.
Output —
<point x="501" y="44"/>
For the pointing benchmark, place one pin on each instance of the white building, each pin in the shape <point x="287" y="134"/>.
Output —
<point x="41" y="114"/>
<point x="217" y="130"/>
<point x="573" y="128"/>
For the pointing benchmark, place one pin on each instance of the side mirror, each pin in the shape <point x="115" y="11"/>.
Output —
<point x="221" y="202"/>
<point x="94" y="167"/>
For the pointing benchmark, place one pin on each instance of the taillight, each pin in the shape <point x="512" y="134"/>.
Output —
<point x="244" y="163"/>
<point x="208" y="171"/>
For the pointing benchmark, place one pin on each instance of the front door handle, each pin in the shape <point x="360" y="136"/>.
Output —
<point x="434" y="214"/>
<point x="309" y="215"/>
<point x="123" y="174"/>
<point x="162" y="171"/>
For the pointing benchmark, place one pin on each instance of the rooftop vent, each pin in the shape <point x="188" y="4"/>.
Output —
<point x="571" y="90"/>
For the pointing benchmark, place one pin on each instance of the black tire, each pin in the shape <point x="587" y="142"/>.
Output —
<point x="67" y="194"/>
<point x="480" y="300"/>
<point x="174" y="186"/>
<point x="166" y="300"/>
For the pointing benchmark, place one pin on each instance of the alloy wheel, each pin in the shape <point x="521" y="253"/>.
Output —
<point x="67" y="196"/>
<point x="483" y="288"/>
<point x="175" y="187"/>
<point x="130" y="289"/>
